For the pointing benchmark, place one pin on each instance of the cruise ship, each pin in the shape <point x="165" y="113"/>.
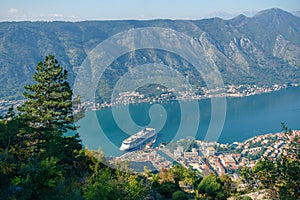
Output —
<point x="139" y="139"/>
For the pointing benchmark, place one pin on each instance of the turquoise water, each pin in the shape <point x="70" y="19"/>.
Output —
<point x="245" y="118"/>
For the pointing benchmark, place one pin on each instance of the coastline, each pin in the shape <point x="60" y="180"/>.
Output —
<point x="245" y="118"/>
<point x="231" y="91"/>
<point x="214" y="157"/>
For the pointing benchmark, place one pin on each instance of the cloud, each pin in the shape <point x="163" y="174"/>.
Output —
<point x="13" y="10"/>
<point x="53" y="15"/>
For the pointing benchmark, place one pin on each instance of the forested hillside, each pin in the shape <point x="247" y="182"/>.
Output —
<point x="264" y="49"/>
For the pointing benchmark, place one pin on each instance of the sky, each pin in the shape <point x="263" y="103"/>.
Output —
<point x="80" y="10"/>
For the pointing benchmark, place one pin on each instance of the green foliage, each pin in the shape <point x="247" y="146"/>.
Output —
<point x="49" y="100"/>
<point x="265" y="172"/>
<point x="227" y="183"/>
<point x="248" y="178"/>
<point x="177" y="178"/>
<point x="40" y="179"/>
<point x="281" y="177"/>
<point x="183" y="174"/>
<point x="48" y="111"/>
<point x="246" y="198"/>
<point x="101" y="186"/>
<point x="212" y="187"/>
<point x="106" y="183"/>
<point x="288" y="180"/>
<point x="179" y="195"/>
<point x="9" y="152"/>
<point x="167" y="189"/>
<point x="70" y="40"/>
<point x="37" y="160"/>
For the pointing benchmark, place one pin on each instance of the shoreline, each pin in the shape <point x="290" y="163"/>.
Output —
<point x="221" y="94"/>
<point x="214" y="157"/>
<point x="91" y="106"/>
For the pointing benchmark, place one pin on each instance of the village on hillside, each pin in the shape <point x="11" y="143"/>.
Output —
<point x="212" y="157"/>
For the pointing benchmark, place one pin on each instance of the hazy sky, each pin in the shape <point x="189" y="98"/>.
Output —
<point x="78" y="10"/>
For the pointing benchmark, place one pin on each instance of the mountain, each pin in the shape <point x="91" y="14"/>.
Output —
<point x="263" y="49"/>
<point x="296" y="13"/>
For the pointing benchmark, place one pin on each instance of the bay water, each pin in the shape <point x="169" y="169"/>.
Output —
<point x="245" y="117"/>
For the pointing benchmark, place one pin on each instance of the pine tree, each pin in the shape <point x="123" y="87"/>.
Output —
<point x="48" y="108"/>
<point x="38" y="160"/>
<point x="49" y="101"/>
<point x="47" y="159"/>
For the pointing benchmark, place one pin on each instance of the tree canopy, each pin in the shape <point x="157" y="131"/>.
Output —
<point x="37" y="158"/>
<point x="40" y="160"/>
<point x="281" y="176"/>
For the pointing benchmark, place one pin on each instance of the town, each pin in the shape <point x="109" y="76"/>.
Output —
<point x="165" y="95"/>
<point x="212" y="157"/>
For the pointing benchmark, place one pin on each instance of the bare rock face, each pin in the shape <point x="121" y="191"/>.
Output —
<point x="236" y="55"/>
<point x="212" y="51"/>
<point x="286" y="50"/>
<point x="263" y="49"/>
<point x="227" y="57"/>
<point x="253" y="51"/>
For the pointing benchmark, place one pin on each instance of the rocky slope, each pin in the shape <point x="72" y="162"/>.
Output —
<point x="264" y="49"/>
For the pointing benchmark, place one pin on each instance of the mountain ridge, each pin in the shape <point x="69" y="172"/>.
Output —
<point x="262" y="49"/>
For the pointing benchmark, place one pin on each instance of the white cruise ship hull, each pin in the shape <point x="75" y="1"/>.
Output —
<point x="139" y="140"/>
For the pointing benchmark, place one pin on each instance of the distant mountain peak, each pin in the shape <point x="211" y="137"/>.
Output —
<point x="264" y="49"/>
<point x="241" y="16"/>
<point x="273" y="12"/>
<point x="238" y="19"/>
